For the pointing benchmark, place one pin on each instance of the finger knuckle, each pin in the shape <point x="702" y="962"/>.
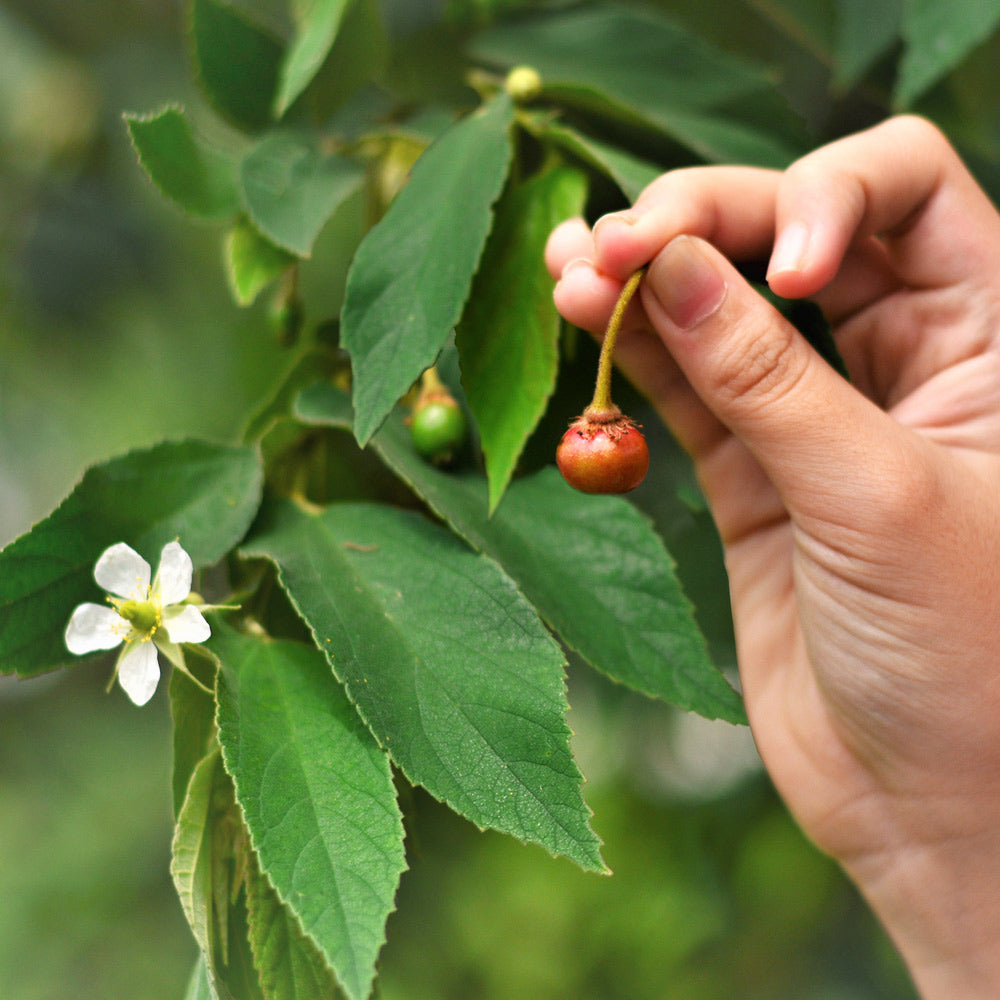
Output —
<point x="759" y="368"/>
<point x="918" y="130"/>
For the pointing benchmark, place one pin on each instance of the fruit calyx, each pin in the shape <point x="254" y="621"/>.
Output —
<point x="609" y="421"/>
<point x="598" y="417"/>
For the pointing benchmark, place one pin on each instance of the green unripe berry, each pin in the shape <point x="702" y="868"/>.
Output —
<point x="438" y="428"/>
<point x="524" y="84"/>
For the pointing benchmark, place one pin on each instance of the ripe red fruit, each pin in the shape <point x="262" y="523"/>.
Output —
<point x="603" y="452"/>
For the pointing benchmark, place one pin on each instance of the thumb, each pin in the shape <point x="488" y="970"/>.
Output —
<point x="824" y="446"/>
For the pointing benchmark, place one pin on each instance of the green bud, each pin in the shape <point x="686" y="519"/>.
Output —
<point x="524" y="84"/>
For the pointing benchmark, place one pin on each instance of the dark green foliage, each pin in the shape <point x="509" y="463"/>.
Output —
<point x="396" y="624"/>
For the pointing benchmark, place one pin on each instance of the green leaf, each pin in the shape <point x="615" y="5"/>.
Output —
<point x="199" y="987"/>
<point x="645" y="69"/>
<point x="508" y="339"/>
<point x="864" y="32"/>
<point x="317" y="24"/>
<point x="203" y="494"/>
<point x="200" y="179"/>
<point x="312" y="362"/>
<point x="207" y="868"/>
<point x="192" y="710"/>
<point x="357" y="56"/>
<point x="317" y="797"/>
<point x="807" y="24"/>
<point x="236" y="62"/>
<point x="253" y="262"/>
<point x="592" y="566"/>
<point x="630" y="173"/>
<point x="445" y="660"/>
<point x="191" y="866"/>
<point x="290" y="189"/>
<point x="289" y="966"/>
<point x="938" y="37"/>
<point x="412" y="273"/>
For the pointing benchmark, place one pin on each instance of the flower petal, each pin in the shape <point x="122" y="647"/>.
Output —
<point x="94" y="626"/>
<point x="139" y="671"/>
<point x="173" y="576"/>
<point x="123" y="572"/>
<point x="186" y="624"/>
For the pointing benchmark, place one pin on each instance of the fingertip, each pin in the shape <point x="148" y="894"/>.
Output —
<point x="627" y="217"/>
<point x="576" y="280"/>
<point x="801" y="263"/>
<point x="583" y="295"/>
<point x="568" y="241"/>
<point x="791" y="249"/>
<point x="622" y="242"/>
<point x="790" y="284"/>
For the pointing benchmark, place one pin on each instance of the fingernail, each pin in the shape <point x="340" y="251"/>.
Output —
<point x="627" y="217"/>
<point x="687" y="285"/>
<point x="576" y="262"/>
<point x="790" y="249"/>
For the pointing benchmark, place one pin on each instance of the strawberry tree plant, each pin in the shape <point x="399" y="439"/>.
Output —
<point x="380" y="584"/>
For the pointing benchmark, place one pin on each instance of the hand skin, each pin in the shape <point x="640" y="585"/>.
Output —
<point x="861" y="522"/>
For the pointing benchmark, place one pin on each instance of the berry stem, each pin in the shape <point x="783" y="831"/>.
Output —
<point x="430" y="381"/>
<point x="601" y="404"/>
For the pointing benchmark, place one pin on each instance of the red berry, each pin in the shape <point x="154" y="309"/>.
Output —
<point x="603" y="455"/>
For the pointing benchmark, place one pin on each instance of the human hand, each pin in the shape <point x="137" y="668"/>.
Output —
<point x="861" y="522"/>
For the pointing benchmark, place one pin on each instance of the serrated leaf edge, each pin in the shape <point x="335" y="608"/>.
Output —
<point x="227" y="764"/>
<point x="596" y="841"/>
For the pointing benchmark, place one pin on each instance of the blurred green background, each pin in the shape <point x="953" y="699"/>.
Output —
<point x="116" y="330"/>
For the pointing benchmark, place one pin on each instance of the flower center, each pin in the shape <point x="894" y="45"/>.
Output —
<point x="143" y="615"/>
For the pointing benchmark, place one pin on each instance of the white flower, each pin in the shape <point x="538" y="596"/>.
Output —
<point x="143" y="616"/>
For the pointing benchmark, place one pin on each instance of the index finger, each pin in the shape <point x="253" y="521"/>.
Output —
<point x="733" y="208"/>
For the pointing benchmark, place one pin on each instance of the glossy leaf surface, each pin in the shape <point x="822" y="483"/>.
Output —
<point x="508" y="339"/>
<point x="318" y="21"/>
<point x="938" y="36"/>
<point x="289" y="965"/>
<point x="197" y="177"/>
<point x="592" y="566"/>
<point x="864" y="32"/>
<point x="412" y="273"/>
<point x="206" y="868"/>
<point x="446" y="662"/>
<point x="629" y="172"/>
<point x="290" y="189"/>
<point x="253" y="262"/>
<point x="317" y="796"/>
<point x="601" y="57"/>
<point x="235" y="61"/>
